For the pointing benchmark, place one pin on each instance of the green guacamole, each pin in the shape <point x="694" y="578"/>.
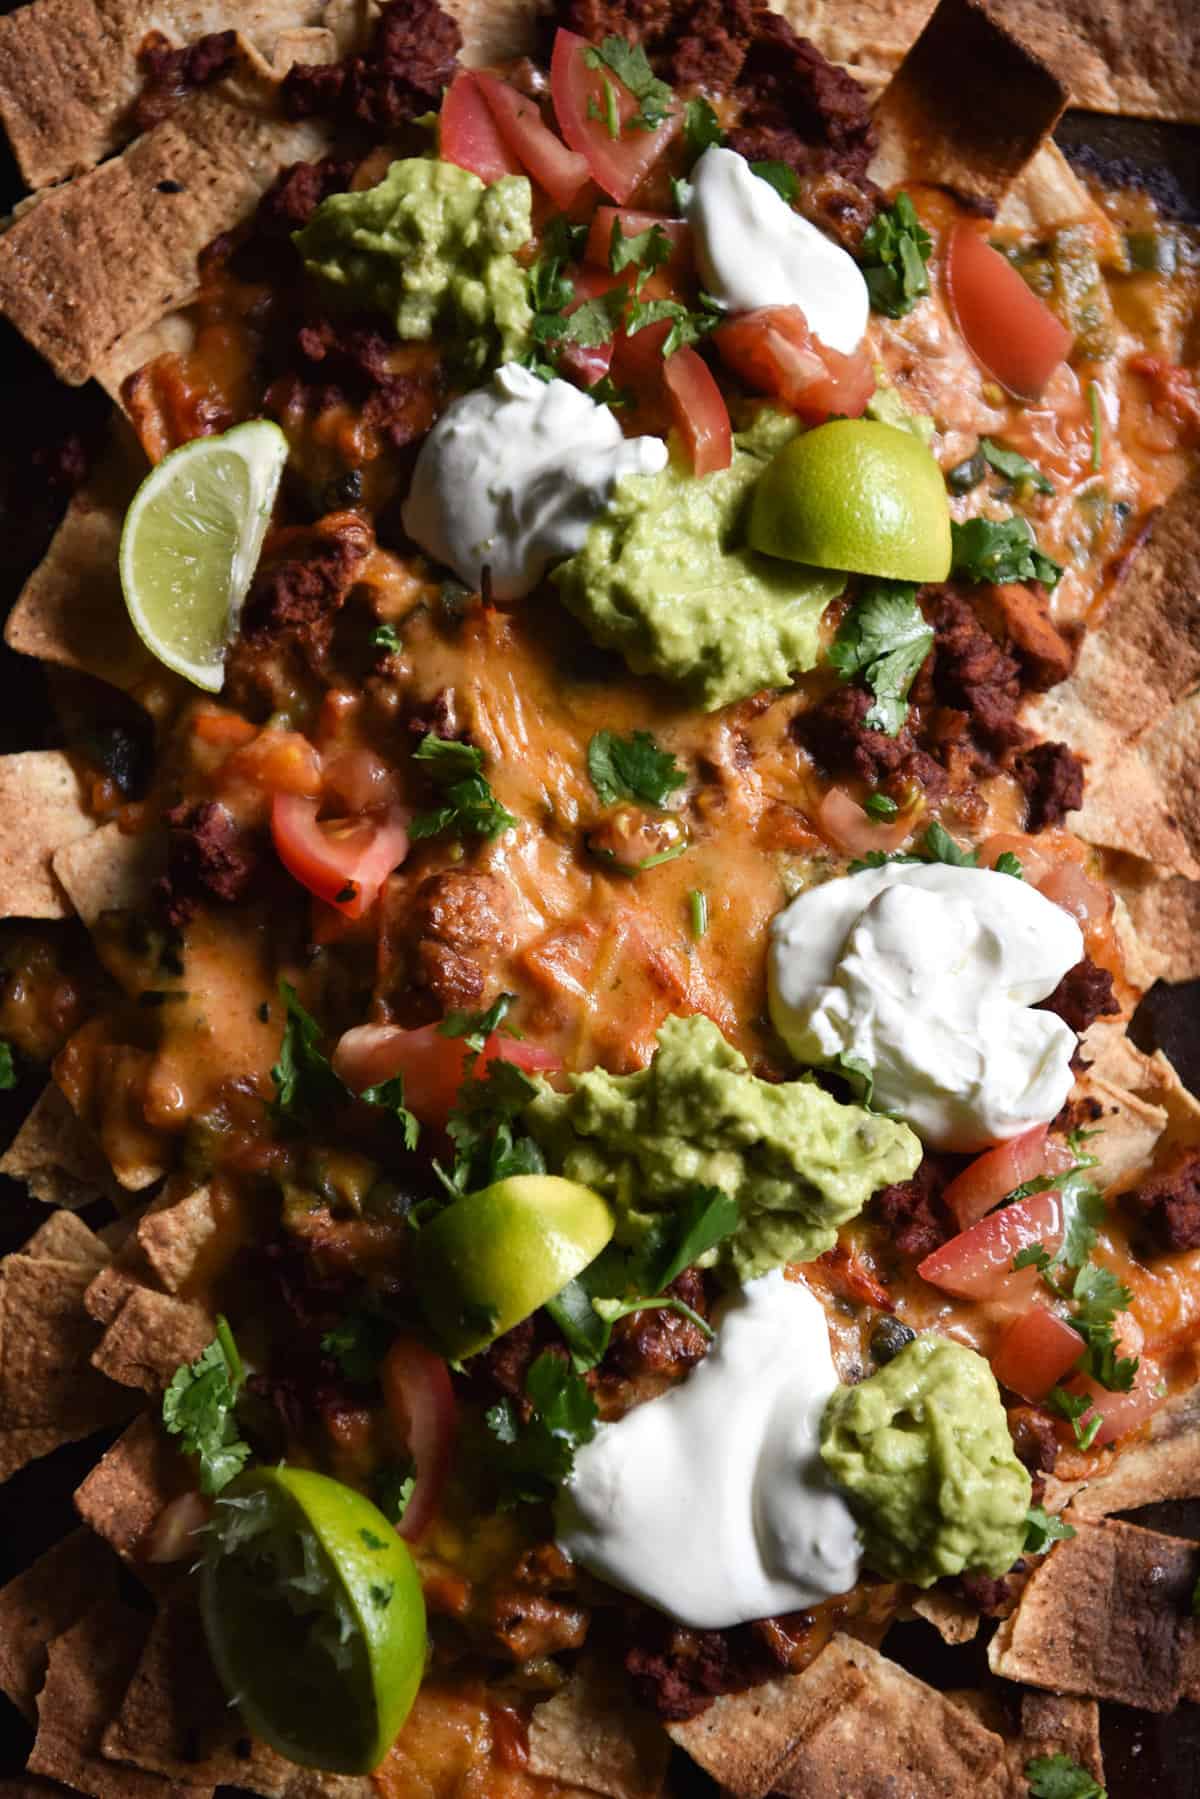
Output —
<point x="433" y="248"/>
<point x="667" y="578"/>
<point x="797" y="1161"/>
<point x="923" y="1453"/>
<point x="887" y="408"/>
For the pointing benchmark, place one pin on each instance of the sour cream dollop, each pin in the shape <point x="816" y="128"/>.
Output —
<point x="711" y="1502"/>
<point x="927" y="975"/>
<point x="752" y="250"/>
<point x="512" y="475"/>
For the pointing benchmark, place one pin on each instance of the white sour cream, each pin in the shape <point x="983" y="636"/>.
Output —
<point x="512" y="475"/>
<point x="711" y="1502"/>
<point x="927" y="975"/>
<point x="753" y="250"/>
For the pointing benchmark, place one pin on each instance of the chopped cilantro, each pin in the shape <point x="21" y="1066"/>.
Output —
<point x="605" y="392"/>
<point x="470" y="808"/>
<point x="1008" y="864"/>
<point x="1042" y="1528"/>
<point x="306" y="1086"/>
<point x="860" y="1074"/>
<point x="1015" y="466"/>
<point x="937" y="845"/>
<point x="894" y="251"/>
<point x="644" y="251"/>
<point x="392" y="1488"/>
<point x="985" y="549"/>
<point x="387" y="638"/>
<point x="967" y="474"/>
<point x="1058" y="1777"/>
<point x="534" y="1458"/>
<point x="590" y="324"/>
<point x="482" y="1127"/>
<point x="880" y="859"/>
<point x="612" y="113"/>
<point x="779" y="175"/>
<point x="698" y="911"/>
<point x="1074" y="1407"/>
<point x="198" y="1407"/>
<point x="631" y="67"/>
<point x="883" y="637"/>
<point x="477" y="1027"/>
<point x="677" y="1239"/>
<point x="8" y="1072"/>
<point x="1034" y="1255"/>
<point x="686" y="327"/>
<point x="1099" y="1296"/>
<point x="701" y="127"/>
<point x="880" y="808"/>
<point x="1084" y="1211"/>
<point x="632" y="768"/>
<point x="610" y="1310"/>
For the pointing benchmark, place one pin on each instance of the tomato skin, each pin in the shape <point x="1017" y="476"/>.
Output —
<point x="1008" y="330"/>
<point x="984" y="1183"/>
<point x="599" y="243"/>
<point x="468" y="134"/>
<point x="420" y="1400"/>
<point x="978" y="1263"/>
<point x="589" y="363"/>
<point x="700" y="411"/>
<point x="1069" y="887"/>
<point x="1119" y="1412"/>
<point x="433" y="1065"/>
<point x="844" y="823"/>
<point x="1035" y="1352"/>
<point x="773" y="350"/>
<point x="618" y="165"/>
<point x="329" y="862"/>
<point x="560" y="171"/>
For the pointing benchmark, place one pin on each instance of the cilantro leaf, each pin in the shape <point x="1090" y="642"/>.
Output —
<point x="1084" y="1211"/>
<point x="631" y="67"/>
<point x="470" y="808"/>
<point x="893" y="254"/>
<point x="477" y="1027"/>
<point x="701" y="127"/>
<point x="884" y="638"/>
<point x="385" y="637"/>
<point x="632" y="768"/>
<point x="937" y="845"/>
<point x="534" y="1458"/>
<point x="1015" y="466"/>
<point x="487" y="1146"/>
<point x="1034" y="1255"/>
<point x="590" y="324"/>
<point x="1058" y="1777"/>
<point x="992" y="550"/>
<point x="860" y="1074"/>
<point x="1008" y="864"/>
<point x="8" y="1073"/>
<point x="305" y="1084"/>
<point x="1099" y="1296"/>
<point x="677" y="1239"/>
<point x="392" y="1488"/>
<point x="389" y="1097"/>
<point x="687" y="327"/>
<point x="879" y="807"/>
<point x="644" y="251"/>
<point x="198" y="1407"/>
<point x="358" y="1343"/>
<point x="880" y="859"/>
<point x="1074" y="1407"/>
<point x="779" y="175"/>
<point x="1042" y="1528"/>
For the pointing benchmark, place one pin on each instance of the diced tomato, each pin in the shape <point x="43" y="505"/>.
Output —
<point x="587" y="364"/>
<point x="560" y="171"/>
<point x="619" y="164"/>
<point x="1035" y="1352"/>
<point x="599" y="243"/>
<point x="468" y="135"/>
<point x="420" y="1400"/>
<point x="433" y="1065"/>
<point x="1119" y="1412"/>
<point x="1069" y="887"/>
<point x="773" y="350"/>
<point x="978" y="1264"/>
<point x="1035" y="864"/>
<point x="344" y="862"/>
<point x="844" y="823"/>
<point x="990" y="1176"/>
<point x="225" y="729"/>
<point x="1007" y="329"/>
<point x="700" y="411"/>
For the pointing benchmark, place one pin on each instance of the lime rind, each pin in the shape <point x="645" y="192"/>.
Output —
<point x="191" y="542"/>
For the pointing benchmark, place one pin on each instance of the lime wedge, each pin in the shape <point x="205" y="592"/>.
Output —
<point x="191" y="542"/>
<point x="314" y="1616"/>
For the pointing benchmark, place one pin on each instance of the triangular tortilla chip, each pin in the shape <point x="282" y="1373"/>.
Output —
<point x="954" y="1618"/>
<point x="110" y="871"/>
<point x="57" y="1157"/>
<point x="42" y="1602"/>
<point x="174" y="1238"/>
<point x="65" y="1238"/>
<point x="1052" y="1724"/>
<point x="150" y="1337"/>
<point x="41" y="809"/>
<point x="46" y="1342"/>
<point x="130" y="1485"/>
<point x="591" y="1734"/>
<point x="1106" y="1615"/>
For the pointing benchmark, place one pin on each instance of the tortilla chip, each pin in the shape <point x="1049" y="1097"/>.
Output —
<point x="173" y="1239"/>
<point x="744" y="1740"/>
<point x="1166" y="1465"/>
<point x="150" y="1337"/>
<point x="89" y="1670"/>
<point x="954" y="1618"/>
<point x="1165" y="914"/>
<point x="104" y="1078"/>
<point x="69" y="73"/>
<point x="42" y="1602"/>
<point x="1106" y="1615"/>
<point x="592" y="1735"/>
<point x="1130" y="1130"/>
<point x="41" y="809"/>
<point x="46" y="1342"/>
<point x="1048" y="195"/>
<point x="1156" y="777"/>
<point x="110" y="871"/>
<point x="130" y="1485"/>
<point x="56" y="1157"/>
<point x="892" y="1721"/>
<point x="108" y="1293"/>
<point x="967" y="109"/>
<point x="115" y="249"/>
<point x="1054" y="1725"/>
<point x="65" y="1238"/>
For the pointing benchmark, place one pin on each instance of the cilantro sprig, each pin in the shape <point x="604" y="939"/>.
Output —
<point x="894" y="251"/>
<point x="644" y="251"/>
<point x="1043" y="1528"/>
<point x="483" y="1127"/>
<point x="469" y="807"/>
<point x="198" y="1408"/>
<point x="631" y="66"/>
<point x="531" y="1459"/>
<point x="779" y="175"/>
<point x="1014" y="466"/>
<point x="1058" y="1777"/>
<point x="701" y="127"/>
<point x="307" y="1088"/>
<point x="632" y="768"/>
<point x="999" y="550"/>
<point x="885" y="638"/>
<point x="688" y="327"/>
<point x="477" y="1027"/>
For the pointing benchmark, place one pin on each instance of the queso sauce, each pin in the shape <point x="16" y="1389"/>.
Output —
<point x="174" y="1073"/>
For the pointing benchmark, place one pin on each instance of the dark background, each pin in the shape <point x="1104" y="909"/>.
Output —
<point x="1144" y="1754"/>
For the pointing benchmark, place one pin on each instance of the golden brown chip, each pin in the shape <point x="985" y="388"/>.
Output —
<point x="56" y="1156"/>
<point x="954" y="1618"/>
<point x="151" y="1335"/>
<point x="592" y="1735"/>
<point x="1052" y="1724"/>
<point x="1048" y="195"/>
<point x="65" y="1238"/>
<point x="42" y="1602"/>
<point x="967" y="109"/>
<point x="1130" y="1129"/>
<point x="113" y="1286"/>
<point x="1106" y="1615"/>
<point x="89" y="1670"/>
<point x="173" y="1238"/>
<point x="46" y="1343"/>
<point x="110" y="871"/>
<point x="130" y="1485"/>
<point x="744" y="1740"/>
<point x="41" y="809"/>
<point x="1166" y="915"/>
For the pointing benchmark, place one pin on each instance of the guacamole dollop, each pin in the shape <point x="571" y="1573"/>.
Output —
<point x="667" y="578"/>
<point x="887" y="408"/>
<point x="923" y="1454"/>
<point x="434" y="248"/>
<point x="797" y="1161"/>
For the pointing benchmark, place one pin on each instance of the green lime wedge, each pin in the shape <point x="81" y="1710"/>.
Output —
<point x="191" y="542"/>
<point x="314" y="1616"/>
<point x="855" y="495"/>
<point x="493" y="1257"/>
